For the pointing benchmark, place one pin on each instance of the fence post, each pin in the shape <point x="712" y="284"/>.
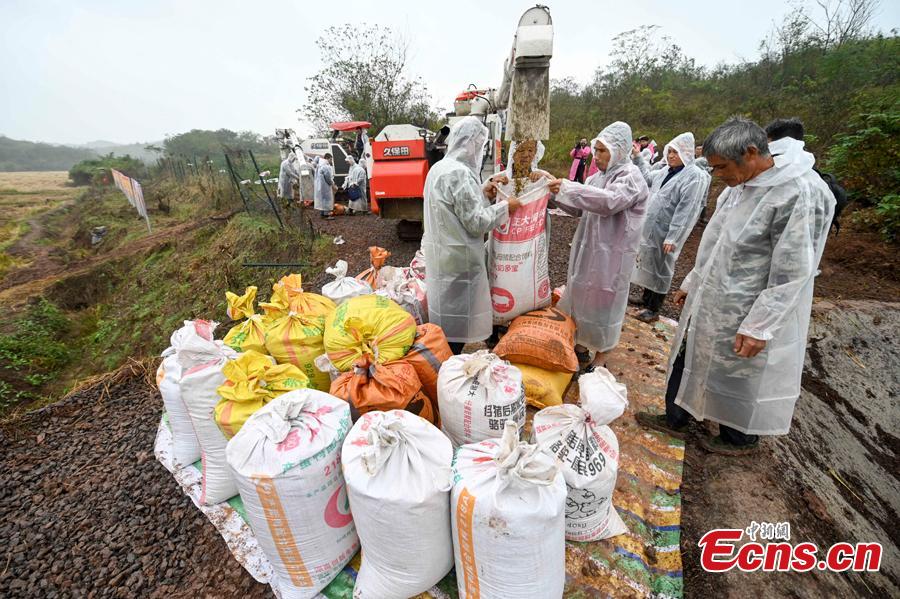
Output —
<point x="266" y="189"/>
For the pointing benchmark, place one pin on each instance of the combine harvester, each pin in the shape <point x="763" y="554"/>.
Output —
<point x="519" y="110"/>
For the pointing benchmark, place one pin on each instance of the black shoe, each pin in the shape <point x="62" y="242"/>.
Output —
<point x="718" y="445"/>
<point x="659" y="423"/>
<point x="647" y="316"/>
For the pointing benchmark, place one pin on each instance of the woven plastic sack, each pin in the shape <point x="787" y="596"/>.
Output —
<point x="252" y="381"/>
<point x="378" y="256"/>
<point x="286" y="463"/>
<point x="288" y="296"/>
<point x="185" y="447"/>
<point x="397" y="463"/>
<point x="343" y="287"/>
<point x="251" y="333"/>
<point x="428" y="353"/>
<point x="544" y="388"/>
<point x="508" y="518"/>
<point x="392" y="386"/>
<point x="518" y="256"/>
<point x="477" y="394"/>
<point x="368" y="326"/>
<point x="417" y="266"/>
<point x="543" y="338"/>
<point x="202" y="360"/>
<point x="588" y="452"/>
<point x="297" y="339"/>
<point x="406" y="290"/>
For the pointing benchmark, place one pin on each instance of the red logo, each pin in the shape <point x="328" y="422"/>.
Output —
<point x="502" y="300"/>
<point x="544" y="289"/>
<point x="337" y="512"/>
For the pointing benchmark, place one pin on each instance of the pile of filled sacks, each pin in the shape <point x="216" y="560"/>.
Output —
<point x="541" y="344"/>
<point x="343" y="423"/>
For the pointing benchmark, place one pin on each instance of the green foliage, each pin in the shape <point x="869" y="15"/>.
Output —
<point x="364" y="77"/>
<point x="884" y="218"/>
<point x="16" y="155"/>
<point x="204" y="144"/>
<point x="888" y="211"/>
<point x="94" y="170"/>
<point x="866" y="158"/>
<point x="35" y="351"/>
<point x="660" y="92"/>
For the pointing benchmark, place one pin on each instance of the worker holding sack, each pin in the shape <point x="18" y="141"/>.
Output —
<point x="611" y="204"/>
<point x="457" y="217"/>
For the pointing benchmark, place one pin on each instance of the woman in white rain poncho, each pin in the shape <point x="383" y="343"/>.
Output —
<point x="324" y="193"/>
<point x="357" y="177"/>
<point x="738" y="354"/>
<point x="457" y="217"/>
<point x="677" y="195"/>
<point x="611" y="204"/>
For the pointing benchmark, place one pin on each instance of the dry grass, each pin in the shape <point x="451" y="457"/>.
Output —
<point x="26" y="194"/>
<point x="34" y="181"/>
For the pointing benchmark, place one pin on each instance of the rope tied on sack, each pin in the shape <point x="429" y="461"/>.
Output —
<point x="486" y="367"/>
<point x="521" y="463"/>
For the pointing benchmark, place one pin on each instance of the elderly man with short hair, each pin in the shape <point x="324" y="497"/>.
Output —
<point x="737" y="357"/>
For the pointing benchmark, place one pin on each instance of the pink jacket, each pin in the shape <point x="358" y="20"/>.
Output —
<point x="577" y="156"/>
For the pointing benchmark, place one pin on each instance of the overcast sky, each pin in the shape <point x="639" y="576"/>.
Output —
<point x="127" y="70"/>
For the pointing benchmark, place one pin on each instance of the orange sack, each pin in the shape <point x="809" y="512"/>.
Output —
<point x="378" y="256"/>
<point x="543" y="338"/>
<point x="382" y="387"/>
<point x="428" y="352"/>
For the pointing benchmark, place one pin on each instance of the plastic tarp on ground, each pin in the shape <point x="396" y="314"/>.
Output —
<point x="646" y="561"/>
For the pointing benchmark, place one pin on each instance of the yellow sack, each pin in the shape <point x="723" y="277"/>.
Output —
<point x="544" y="388"/>
<point x="250" y="334"/>
<point x="252" y="381"/>
<point x="368" y="325"/>
<point x="295" y="322"/>
<point x="288" y="296"/>
<point x="296" y="339"/>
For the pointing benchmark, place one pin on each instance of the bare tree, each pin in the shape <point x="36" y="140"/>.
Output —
<point x="365" y="77"/>
<point x="841" y="21"/>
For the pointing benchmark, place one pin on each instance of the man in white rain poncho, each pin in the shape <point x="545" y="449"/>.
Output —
<point x="324" y="188"/>
<point x="457" y="217"/>
<point x="677" y="195"/>
<point x="288" y="174"/>
<point x="355" y="183"/>
<point x="611" y="204"/>
<point x="738" y="354"/>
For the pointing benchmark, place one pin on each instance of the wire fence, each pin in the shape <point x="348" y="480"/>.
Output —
<point x="242" y="183"/>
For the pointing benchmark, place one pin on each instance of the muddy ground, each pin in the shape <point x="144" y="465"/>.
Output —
<point x="87" y="511"/>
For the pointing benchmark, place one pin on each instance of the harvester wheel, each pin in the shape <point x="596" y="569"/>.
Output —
<point x="409" y="230"/>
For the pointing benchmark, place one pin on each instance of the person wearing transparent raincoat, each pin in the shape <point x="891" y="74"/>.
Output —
<point x="611" y="204"/>
<point x="357" y="177"/>
<point x="737" y="357"/>
<point x="458" y="214"/>
<point x="288" y="173"/>
<point x="324" y="188"/>
<point x="677" y="196"/>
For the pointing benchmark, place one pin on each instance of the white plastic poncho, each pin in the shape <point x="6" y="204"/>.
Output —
<point x="754" y="276"/>
<point x="457" y="216"/>
<point x="611" y="205"/>
<point x="357" y="176"/>
<point x="324" y="199"/>
<point x="672" y="212"/>
<point x="287" y="174"/>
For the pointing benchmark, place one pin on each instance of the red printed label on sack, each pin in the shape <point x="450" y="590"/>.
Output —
<point x="465" y="511"/>
<point x="337" y="512"/>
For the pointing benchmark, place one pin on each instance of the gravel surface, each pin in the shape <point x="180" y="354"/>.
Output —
<point x="87" y="511"/>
